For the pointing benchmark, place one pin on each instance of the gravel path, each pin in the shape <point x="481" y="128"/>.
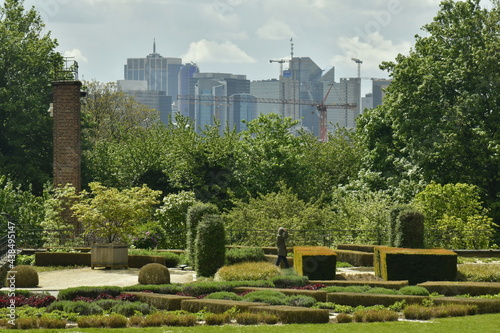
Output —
<point x="67" y="278"/>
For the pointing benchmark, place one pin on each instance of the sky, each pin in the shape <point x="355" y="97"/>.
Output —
<point x="236" y="36"/>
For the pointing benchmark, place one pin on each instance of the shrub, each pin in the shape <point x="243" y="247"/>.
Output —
<point x="160" y="289"/>
<point x="411" y="226"/>
<point x="417" y="312"/>
<point x="168" y="319"/>
<point x="203" y="288"/>
<point x="246" y="318"/>
<point x="272" y="297"/>
<point x="115" y="321"/>
<point x="213" y="319"/>
<point x="248" y="271"/>
<point x="375" y="315"/>
<point x="300" y="300"/>
<point x="130" y="308"/>
<point x="81" y="307"/>
<point x="289" y="281"/>
<point x="245" y="254"/>
<point x="107" y="304"/>
<point x="343" y="318"/>
<point x="268" y="318"/>
<point x="193" y="218"/>
<point x="378" y="290"/>
<point x="25" y="276"/>
<point x="26" y="323"/>
<point x="47" y="322"/>
<point x="90" y="321"/>
<point x="478" y="273"/>
<point x="22" y="259"/>
<point x="414" y="290"/>
<point x="225" y="295"/>
<point x="210" y="247"/>
<point x="92" y="292"/>
<point x="136" y="320"/>
<point x="154" y="274"/>
<point x="346" y="289"/>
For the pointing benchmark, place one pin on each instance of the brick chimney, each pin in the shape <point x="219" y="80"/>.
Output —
<point x="67" y="142"/>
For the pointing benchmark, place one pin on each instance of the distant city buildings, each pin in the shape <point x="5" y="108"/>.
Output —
<point x="171" y="87"/>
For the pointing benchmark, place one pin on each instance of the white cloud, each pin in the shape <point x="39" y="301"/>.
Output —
<point x="212" y="51"/>
<point x="372" y="51"/>
<point x="77" y="54"/>
<point x="275" y="30"/>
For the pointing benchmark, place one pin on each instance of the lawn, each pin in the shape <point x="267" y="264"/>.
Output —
<point x="480" y="323"/>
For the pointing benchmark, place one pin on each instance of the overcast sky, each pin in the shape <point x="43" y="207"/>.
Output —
<point x="235" y="36"/>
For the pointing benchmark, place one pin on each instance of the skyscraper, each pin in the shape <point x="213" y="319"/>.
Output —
<point x="187" y="83"/>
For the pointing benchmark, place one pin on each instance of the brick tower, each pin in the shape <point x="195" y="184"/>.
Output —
<point x="67" y="142"/>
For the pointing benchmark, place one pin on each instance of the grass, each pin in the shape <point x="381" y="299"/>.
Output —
<point x="479" y="272"/>
<point x="472" y="324"/>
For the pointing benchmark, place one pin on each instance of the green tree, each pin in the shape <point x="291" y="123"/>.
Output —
<point x="27" y="63"/>
<point x="114" y="215"/>
<point x="172" y="217"/>
<point x="362" y="213"/>
<point x="24" y="209"/>
<point x="452" y="212"/>
<point x="441" y="112"/>
<point x="270" y="211"/>
<point x="269" y="154"/>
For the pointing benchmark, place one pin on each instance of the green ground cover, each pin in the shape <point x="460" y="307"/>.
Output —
<point x="480" y="323"/>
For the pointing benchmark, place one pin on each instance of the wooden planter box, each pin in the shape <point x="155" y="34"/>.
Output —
<point x="109" y="255"/>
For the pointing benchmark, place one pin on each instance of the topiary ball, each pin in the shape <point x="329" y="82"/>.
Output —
<point x="25" y="277"/>
<point x="154" y="274"/>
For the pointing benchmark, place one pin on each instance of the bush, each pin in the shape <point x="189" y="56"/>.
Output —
<point x="414" y="290"/>
<point x="300" y="300"/>
<point x="225" y="295"/>
<point x="210" y="245"/>
<point x="246" y="318"/>
<point x="385" y="291"/>
<point x="411" y="226"/>
<point x="25" y="276"/>
<point x="272" y="297"/>
<point x="374" y="315"/>
<point x="245" y="254"/>
<point x="22" y="259"/>
<point x="194" y="216"/>
<point x="248" y="271"/>
<point x="130" y="308"/>
<point x="115" y="321"/>
<point x="81" y="307"/>
<point x="289" y="281"/>
<point x="154" y="274"/>
<point x="90" y="322"/>
<point x="343" y="318"/>
<point x="346" y="289"/>
<point x="159" y="289"/>
<point x="92" y="292"/>
<point x="204" y="288"/>
<point x="136" y="320"/>
<point x="47" y="322"/>
<point x="26" y="323"/>
<point x="213" y="319"/>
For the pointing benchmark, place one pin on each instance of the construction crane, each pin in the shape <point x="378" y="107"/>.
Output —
<point x="323" y="129"/>
<point x="281" y="62"/>
<point x="359" y="62"/>
<point x="321" y="107"/>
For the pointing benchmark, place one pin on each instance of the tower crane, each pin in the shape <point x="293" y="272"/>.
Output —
<point x="359" y="62"/>
<point x="323" y="130"/>
<point x="280" y="61"/>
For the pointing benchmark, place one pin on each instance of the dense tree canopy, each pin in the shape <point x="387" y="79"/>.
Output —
<point x="27" y="63"/>
<point x="440" y="117"/>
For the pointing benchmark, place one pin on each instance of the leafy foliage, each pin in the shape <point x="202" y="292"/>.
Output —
<point x="172" y="218"/>
<point x="440" y="113"/>
<point x="210" y="245"/>
<point x="193" y="218"/>
<point x="28" y="60"/>
<point x="112" y="214"/>
<point x="454" y="216"/>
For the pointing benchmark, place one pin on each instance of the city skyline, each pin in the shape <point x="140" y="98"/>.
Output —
<point x="236" y="36"/>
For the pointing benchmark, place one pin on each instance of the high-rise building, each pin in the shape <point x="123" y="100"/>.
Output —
<point x="187" y="82"/>
<point x="243" y="107"/>
<point x="208" y="88"/>
<point x="153" y="81"/>
<point x="347" y="91"/>
<point x="269" y="90"/>
<point x="379" y="86"/>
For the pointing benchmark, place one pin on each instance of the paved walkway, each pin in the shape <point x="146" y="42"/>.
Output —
<point x="67" y="278"/>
